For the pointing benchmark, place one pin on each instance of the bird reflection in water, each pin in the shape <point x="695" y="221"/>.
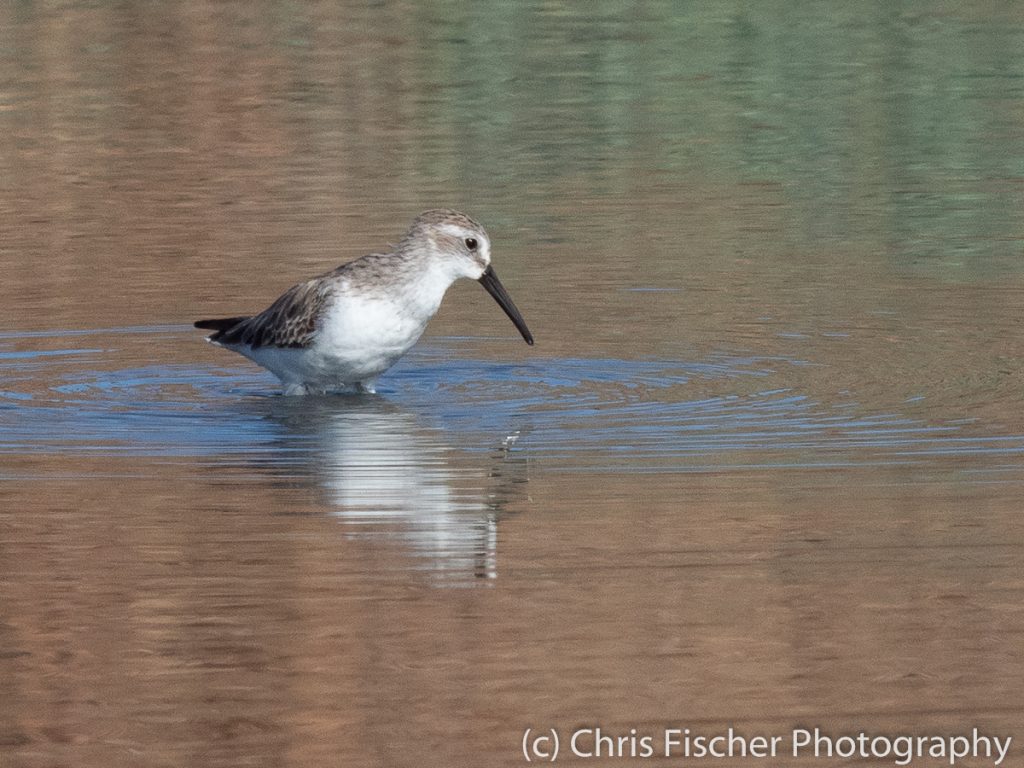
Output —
<point x="388" y="476"/>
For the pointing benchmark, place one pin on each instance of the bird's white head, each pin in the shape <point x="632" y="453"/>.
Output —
<point x="457" y="243"/>
<point x="459" y="247"/>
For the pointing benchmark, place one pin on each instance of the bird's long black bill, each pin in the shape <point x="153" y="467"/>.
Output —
<point x="490" y="281"/>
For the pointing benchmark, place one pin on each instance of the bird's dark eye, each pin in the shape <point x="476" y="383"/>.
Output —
<point x="471" y="243"/>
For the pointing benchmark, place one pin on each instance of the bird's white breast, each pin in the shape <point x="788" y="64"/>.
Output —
<point x="366" y="332"/>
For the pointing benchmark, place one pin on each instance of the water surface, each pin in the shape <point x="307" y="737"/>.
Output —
<point x="764" y="467"/>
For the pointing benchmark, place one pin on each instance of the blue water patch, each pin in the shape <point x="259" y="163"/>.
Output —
<point x="35" y="354"/>
<point x="725" y="410"/>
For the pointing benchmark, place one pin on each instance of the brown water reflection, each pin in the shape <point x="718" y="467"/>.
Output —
<point x="763" y="468"/>
<point x="198" y="629"/>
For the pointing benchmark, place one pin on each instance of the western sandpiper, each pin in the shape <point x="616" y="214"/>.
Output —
<point x="343" y="329"/>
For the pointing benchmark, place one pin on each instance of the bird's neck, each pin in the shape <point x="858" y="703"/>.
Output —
<point x="423" y="289"/>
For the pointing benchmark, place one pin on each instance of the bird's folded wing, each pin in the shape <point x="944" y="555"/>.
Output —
<point x="291" y="321"/>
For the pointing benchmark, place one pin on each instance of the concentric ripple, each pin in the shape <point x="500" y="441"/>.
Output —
<point x="108" y="392"/>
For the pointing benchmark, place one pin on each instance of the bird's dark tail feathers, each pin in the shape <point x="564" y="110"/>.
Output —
<point x="221" y="324"/>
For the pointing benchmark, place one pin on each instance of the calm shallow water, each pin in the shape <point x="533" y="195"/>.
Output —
<point x="764" y="467"/>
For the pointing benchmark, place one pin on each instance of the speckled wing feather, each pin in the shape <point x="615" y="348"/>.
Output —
<point x="290" y="321"/>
